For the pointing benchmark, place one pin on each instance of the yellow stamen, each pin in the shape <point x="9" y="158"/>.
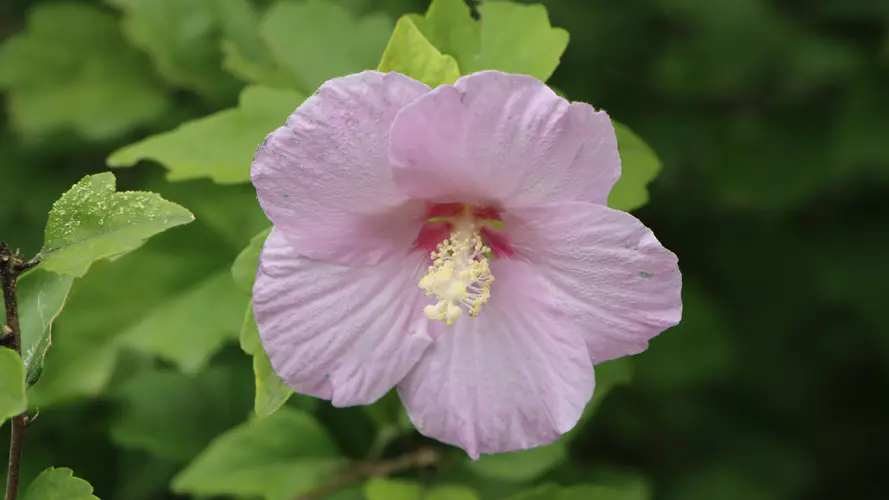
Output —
<point x="460" y="275"/>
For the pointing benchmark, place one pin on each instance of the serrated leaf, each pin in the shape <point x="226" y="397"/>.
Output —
<point x="71" y="70"/>
<point x="41" y="297"/>
<point x="275" y="458"/>
<point x="271" y="393"/>
<point x="191" y="326"/>
<point x="175" y="416"/>
<point x="12" y="384"/>
<point x="449" y="26"/>
<point x="91" y="221"/>
<point x="220" y="146"/>
<point x="182" y="37"/>
<point x="509" y="37"/>
<point x="639" y="166"/>
<point x="317" y="40"/>
<point x="530" y="464"/>
<point x="244" y="267"/>
<point x="631" y="491"/>
<point x="411" y="54"/>
<point x="59" y="484"/>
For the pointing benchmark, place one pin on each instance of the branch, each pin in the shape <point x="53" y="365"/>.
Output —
<point x="11" y="267"/>
<point x="424" y="457"/>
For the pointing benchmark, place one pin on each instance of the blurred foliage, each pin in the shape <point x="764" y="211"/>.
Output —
<point x="770" y="119"/>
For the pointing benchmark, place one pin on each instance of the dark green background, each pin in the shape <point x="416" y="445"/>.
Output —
<point x="772" y="121"/>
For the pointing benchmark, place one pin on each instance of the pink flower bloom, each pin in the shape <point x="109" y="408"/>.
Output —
<point x="454" y="243"/>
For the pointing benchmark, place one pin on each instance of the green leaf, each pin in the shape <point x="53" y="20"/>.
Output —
<point x="275" y="458"/>
<point x="639" y="166"/>
<point x="59" y="484"/>
<point x="510" y="37"/>
<point x="12" y="384"/>
<point x="317" y="40"/>
<point x="175" y="416"/>
<point x="220" y="146"/>
<point x="530" y="464"/>
<point x="244" y="268"/>
<point x="392" y="489"/>
<point x="41" y="296"/>
<point x="630" y="491"/>
<point x="191" y="326"/>
<point x="91" y="222"/>
<point x="71" y="70"/>
<point x="449" y="26"/>
<point x="409" y="53"/>
<point x="182" y="37"/>
<point x="451" y="493"/>
<point x="271" y="393"/>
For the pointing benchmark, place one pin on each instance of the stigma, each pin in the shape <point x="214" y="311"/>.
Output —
<point x="459" y="277"/>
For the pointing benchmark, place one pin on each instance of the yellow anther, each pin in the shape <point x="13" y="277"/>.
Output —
<point x="460" y="275"/>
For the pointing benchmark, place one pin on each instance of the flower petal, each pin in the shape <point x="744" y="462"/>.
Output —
<point x="514" y="377"/>
<point x="339" y="333"/>
<point x="605" y="269"/>
<point x="506" y="139"/>
<point x="324" y="177"/>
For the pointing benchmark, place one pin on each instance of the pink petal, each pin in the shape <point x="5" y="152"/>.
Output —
<point x="514" y="377"/>
<point x="504" y="139"/>
<point x="324" y="178"/>
<point x="339" y="333"/>
<point x="605" y="269"/>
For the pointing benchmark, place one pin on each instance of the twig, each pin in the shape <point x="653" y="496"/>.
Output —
<point x="11" y="267"/>
<point x="424" y="457"/>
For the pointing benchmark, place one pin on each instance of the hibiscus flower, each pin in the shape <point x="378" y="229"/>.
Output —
<point x="455" y="244"/>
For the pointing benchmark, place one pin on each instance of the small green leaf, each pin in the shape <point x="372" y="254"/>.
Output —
<point x="275" y="458"/>
<point x="190" y="327"/>
<point x="59" y="484"/>
<point x="317" y="40"/>
<point x="449" y="26"/>
<point x="12" y="384"/>
<point x="244" y="268"/>
<point x="639" y="166"/>
<point x="271" y="393"/>
<point x="71" y="70"/>
<point x="91" y="221"/>
<point x="220" y="146"/>
<point x="175" y="416"/>
<point x="392" y="489"/>
<point x="631" y="491"/>
<point x="182" y="37"/>
<point x="409" y="53"/>
<point x="42" y="296"/>
<point x="510" y="37"/>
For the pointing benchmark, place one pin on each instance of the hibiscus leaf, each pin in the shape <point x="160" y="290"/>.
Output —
<point x="411" y="54"/>
<point x="639" y="166"/>
<point x="219" y="146"/>
<point x="191" y="326"/>
<point x="244" y="268"/>
<point x="91" y="221"/>
<point x="510" y="37"/>
<point x="271" y="393"/>
<point x="72" y="70"/>
<point x="41" y="296"/>
<point x="182" y="37"/>
<point x="275" y="458"/>
<point x="173" y="415"/>
<point x="58" y="484"/>
<point x="317" y="40"/>
<point x="12" y="384"/>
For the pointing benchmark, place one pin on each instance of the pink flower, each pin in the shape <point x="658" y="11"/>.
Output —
<point x="454" y="243"/>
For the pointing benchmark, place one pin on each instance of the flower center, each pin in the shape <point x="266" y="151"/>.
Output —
<point x="460" y="275"/>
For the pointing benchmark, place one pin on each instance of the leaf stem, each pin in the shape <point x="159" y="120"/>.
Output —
<point x="11" y="267"/>
<point x="355" y="472"/>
